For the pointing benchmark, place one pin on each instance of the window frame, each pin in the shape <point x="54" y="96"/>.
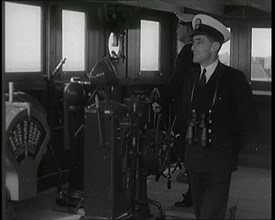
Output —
<point x="159" y="45"/>
<point x="257" y="86"/>
<point x="29" y="76"/>
<point x="70" y="7"/>
<point x="85" y="39"/>
<point x="166" y="45"/>
<point x="240" y="52"/>
<point x="149" y="73"/>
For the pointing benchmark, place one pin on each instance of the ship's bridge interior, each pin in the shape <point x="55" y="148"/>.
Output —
<point x="80" y="139"/>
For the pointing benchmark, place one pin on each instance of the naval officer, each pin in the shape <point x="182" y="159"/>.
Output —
<point x="220" y="113"/>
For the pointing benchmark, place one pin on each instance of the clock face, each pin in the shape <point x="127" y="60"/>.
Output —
<point x="25" y="139"/>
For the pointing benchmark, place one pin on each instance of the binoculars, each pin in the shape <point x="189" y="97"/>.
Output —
<point x="198" y="129"/>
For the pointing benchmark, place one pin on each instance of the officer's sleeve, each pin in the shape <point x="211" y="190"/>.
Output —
<point x="246" y="116"/>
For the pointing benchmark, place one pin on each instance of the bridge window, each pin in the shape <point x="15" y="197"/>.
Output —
<point x="224" y="53"/>
<point x="22" y="38"/>
<point x="150" y="45"/>
<point x="261" y="55"/>
<point x="73" y="40"/>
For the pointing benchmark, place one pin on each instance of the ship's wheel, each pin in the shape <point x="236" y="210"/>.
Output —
<point x="165" y="145"/>
<point x="162" y="143"/>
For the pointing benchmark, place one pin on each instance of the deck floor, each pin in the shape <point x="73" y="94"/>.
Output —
<point x="250" y="191"/>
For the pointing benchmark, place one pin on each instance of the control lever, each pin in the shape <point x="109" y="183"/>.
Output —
<point x="57" y="67"/>
<point x="98" y="120"/>
<point x="78" y="130"/>
<point x="157" y="126"/>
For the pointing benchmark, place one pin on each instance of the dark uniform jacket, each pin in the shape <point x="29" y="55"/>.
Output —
<point x="183" y="64"/>
<point x="173" y="90"/>
<point x="233" y="119"/>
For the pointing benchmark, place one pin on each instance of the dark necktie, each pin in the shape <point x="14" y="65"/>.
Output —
<point x="203" y="78"/>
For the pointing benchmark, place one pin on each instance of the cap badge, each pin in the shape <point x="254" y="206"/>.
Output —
<point x="197" y="23"/>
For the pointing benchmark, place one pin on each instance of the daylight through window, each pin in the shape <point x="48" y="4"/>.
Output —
<point x="73" y="40"/>
<point x="150" y="45"/>
<point x="22" y="38"/>
<point x="261" y="54"/>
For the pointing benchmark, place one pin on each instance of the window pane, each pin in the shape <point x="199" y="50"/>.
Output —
<point x="22" y="38"/>
<point x="261" y="54"/>
<point x="73" y="40"/>
<point x="149" y="50"/>
<point x="224" y="53"/>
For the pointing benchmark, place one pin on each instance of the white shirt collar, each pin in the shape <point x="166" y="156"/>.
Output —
<point x="210" y="69"/>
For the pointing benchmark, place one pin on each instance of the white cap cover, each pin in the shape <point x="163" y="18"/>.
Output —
<point x="204" y="24"/>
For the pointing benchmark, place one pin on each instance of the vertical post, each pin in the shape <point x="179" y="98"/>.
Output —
<point x="3" y="117"/>
<point x="10" y="91"/>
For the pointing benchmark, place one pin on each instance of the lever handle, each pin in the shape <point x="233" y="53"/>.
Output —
<point x="98" y="120"/>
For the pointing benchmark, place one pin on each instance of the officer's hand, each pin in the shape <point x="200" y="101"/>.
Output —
<point x="156" y="107"/>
